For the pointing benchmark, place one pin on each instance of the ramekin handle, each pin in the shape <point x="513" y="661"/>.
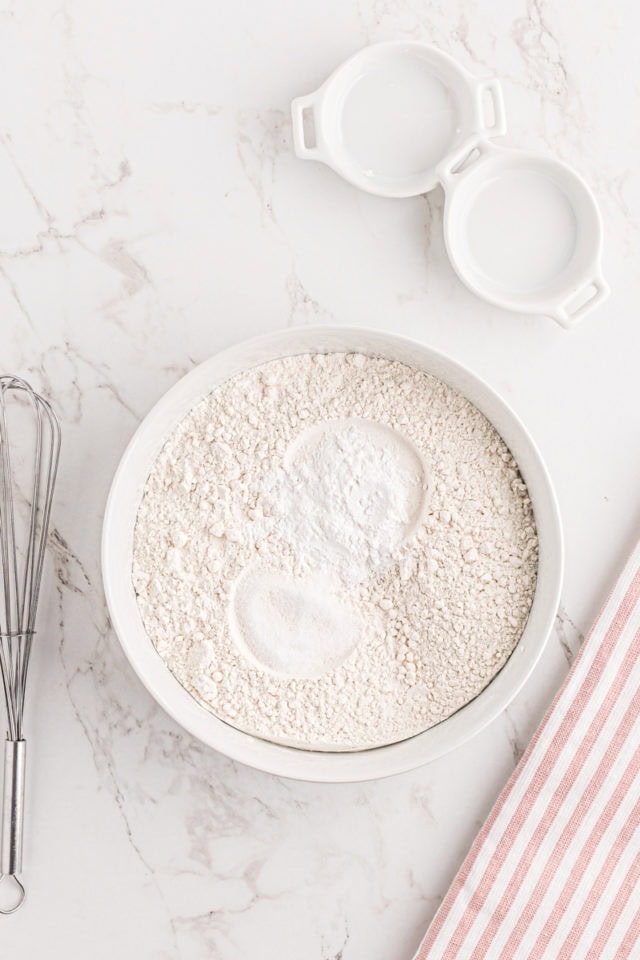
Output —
<point x="597" y="289"/>
<point x="493" y="89"/>
<point x="298" y="108"/>
<point x="463" y="158"/>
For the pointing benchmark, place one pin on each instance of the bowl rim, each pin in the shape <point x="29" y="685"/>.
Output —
<point x="293" y="762"/>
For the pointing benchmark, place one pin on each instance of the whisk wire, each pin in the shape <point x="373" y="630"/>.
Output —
<point x="23" y="560"/>
<point x="8" y="649"/>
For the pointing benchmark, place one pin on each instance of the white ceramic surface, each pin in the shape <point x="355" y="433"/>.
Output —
<point x="390" y="114"/>
<point x="154" y="212"/>
<point x="523" y="231"/>
<point x="119" y="525"/>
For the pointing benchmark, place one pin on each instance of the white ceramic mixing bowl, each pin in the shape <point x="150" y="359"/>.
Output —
<point x="120" y="519"/>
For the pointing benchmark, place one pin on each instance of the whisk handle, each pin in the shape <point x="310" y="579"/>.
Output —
<point x="15" y="755"/>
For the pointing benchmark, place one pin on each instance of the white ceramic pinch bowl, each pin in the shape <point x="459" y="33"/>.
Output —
<point x="117" y="553"/>
<point x="391" y="113"/>
<point x="523" y="231"/>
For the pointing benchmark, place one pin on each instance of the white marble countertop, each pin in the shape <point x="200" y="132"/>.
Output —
<point x="152" y="212"/>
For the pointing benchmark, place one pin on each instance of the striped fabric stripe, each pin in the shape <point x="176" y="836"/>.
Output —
<point x="553" y="872"/>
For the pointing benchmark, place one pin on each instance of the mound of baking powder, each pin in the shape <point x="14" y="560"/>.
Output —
<point x="345" y="497"/>
<point x="334" y="551"/>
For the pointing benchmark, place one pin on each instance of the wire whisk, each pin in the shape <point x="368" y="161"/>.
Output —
<point x="29" y="456"/>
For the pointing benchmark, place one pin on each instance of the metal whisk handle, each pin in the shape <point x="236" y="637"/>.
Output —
<point x="15" y="755"/>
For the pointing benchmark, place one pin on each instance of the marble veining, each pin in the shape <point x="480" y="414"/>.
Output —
<point x="153" y="213"/>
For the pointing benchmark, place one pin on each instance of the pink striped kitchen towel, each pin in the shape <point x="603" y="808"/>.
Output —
<point x="554" y="871"/>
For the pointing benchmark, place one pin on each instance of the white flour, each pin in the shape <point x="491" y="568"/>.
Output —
<point x="334" y="551"/>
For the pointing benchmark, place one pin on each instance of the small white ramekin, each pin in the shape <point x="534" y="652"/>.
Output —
<point x="574" y="284"/>
<point x="468" y="108"/>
